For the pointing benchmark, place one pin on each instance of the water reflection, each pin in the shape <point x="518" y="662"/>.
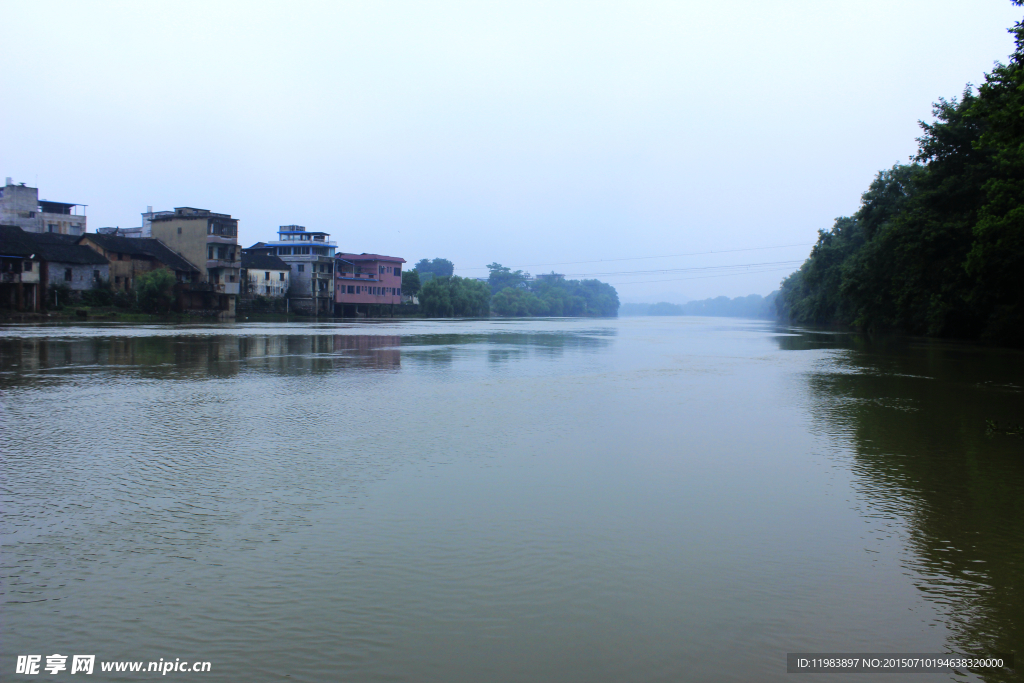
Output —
<point x="914" y="414"/>
<point x="196" y="356"/>
<point x="225" y="355"/>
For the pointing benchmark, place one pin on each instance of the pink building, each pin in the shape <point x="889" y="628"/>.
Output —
<point x="364" y="279"/>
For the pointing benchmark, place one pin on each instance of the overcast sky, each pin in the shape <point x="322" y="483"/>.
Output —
<point x="531" y="134"/>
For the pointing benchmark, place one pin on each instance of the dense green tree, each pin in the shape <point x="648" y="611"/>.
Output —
<point x="453" y="296"/>
<point x="439" y="267"/>
<point x="100" y="294"/>
<point x="156" y="291"/>
<point x="501" y="277"/>
<point x="410" y="282"/>
<point x="937" y="245"/>
<point x="519" y="302"/>
<point x="557" y="297"/>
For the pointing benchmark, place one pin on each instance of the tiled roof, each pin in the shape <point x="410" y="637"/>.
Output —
<point x="369" y="257"/>
<point x="46" y="246"/>
<point x="263" y="262"/>
<point x="142" y="246"/>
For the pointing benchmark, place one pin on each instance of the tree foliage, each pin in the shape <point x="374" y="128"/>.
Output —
<point x="501" y="277"/>
<point x="410" y="282"/>
<point x="550" y="296"/>
<point x="156" y="291"/>
<point x="449" y="296"/>
<point x="100" y="294"/>
<point x="937" y="245"/>
<point x="439" y="267"/>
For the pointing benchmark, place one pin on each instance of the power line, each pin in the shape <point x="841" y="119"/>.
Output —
<point x="778" y="264"/>
<point x="702" y="277"/>
<point x="641" y="258"/>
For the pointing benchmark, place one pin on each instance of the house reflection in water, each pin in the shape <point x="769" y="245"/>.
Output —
<point x="321" y="353"/>
<point x="220" y="355"/>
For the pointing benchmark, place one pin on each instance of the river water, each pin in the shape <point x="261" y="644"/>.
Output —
<point x="640" y="499"/>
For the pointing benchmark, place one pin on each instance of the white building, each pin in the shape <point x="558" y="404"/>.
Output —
<point x="21" y="206"/>
<point x="310" y="255"/>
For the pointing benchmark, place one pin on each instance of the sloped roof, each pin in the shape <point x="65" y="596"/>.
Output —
<point x="369" y="257"/>
<point x="263" y="262"/>
<point x="46" y="246"/>
<point x="142" y="246"/>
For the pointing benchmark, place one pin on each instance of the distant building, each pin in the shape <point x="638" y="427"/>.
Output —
<point x="144" y="230"/>
<point x="310" y="256"/>
<point x="120" y="232"/>
<point x="264" y="275"/>
<point x="130" y="258"/>
<point x="31" y="263"/>
<point x="364" y="279"/>
<point x="210" y="241"/>
<point x="21" y="206"/>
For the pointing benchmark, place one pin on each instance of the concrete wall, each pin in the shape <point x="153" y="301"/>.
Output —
<point x="259" y="285"/>
<point x="19" y="206"/>
<point x="82" y="276"/>
<point x="65" y="224"/>
<point x="187" y="236"/>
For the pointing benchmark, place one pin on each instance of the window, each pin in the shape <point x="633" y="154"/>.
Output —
<point x="351" y="289"/>
<point x="398" y="270"/>
<point x="117" y="279"/>
<point x="96" y="275"/>
<point x="179" y="230"/>
<point x="280" y="276"/>
<point x="28" y="266"/>
<point x="67" y="275"/>
<point x="302" y="268"/>
<point x="209" y="253"/>
<point x="266" y="275"/>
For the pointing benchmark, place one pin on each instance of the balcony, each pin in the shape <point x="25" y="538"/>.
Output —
<point x="222" y="263"/>
<point x="222" y="239"/>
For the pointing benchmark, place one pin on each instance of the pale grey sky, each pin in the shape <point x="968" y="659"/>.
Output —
<point x="518" y="132"/>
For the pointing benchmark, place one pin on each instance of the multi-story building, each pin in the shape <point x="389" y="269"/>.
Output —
<point x="209" y="240"/>
<point x="264" y="275"/>
<point x="310" y="255"/>
<point x="21" y="206"/>
<point x="364" y="280"/>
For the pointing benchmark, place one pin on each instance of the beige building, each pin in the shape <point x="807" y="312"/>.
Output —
<point x="209" y="240"/>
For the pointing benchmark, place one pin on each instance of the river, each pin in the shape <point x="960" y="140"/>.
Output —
<point x="633" y="499"/>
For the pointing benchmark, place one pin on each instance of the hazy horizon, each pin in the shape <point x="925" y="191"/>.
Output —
<point x="546" y="137"/>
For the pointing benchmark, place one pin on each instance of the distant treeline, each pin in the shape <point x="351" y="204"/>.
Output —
<point x="937" y="246"/>
<point x="506" y="293"/>
<point x="753" y="306"/>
